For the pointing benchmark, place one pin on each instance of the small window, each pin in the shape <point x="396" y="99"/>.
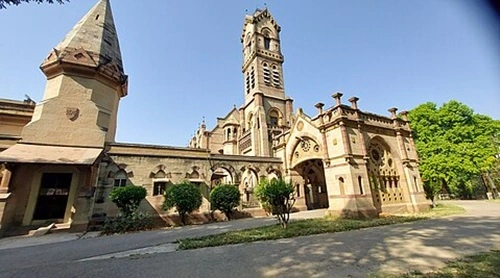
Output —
<point x="267" y="43"/>
<point x="120" y="179"/>
<point x="159" y="188"/>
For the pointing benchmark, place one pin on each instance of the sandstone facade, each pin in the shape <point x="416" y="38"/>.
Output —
<point x="67" y="161"/>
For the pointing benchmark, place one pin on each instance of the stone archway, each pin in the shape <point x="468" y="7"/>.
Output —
<point x="314" y="183"/>
<point x="384" y="176"/>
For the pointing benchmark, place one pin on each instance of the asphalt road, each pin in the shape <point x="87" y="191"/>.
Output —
<point x="423" y="245"/>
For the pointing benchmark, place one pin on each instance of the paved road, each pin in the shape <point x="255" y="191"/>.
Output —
<point x="420" y="245"/>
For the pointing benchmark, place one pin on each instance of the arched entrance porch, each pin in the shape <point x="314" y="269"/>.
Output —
<point x="313" y="186"/>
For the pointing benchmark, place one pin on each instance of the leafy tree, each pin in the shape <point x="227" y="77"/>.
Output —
<point x="225" y="197"/>
<point x="128" y="198"/>
<point x="279" y="196"/>
<point x="17" y="2"/>
<point x="432" y="189"/>
<point x="185" y="197"/>
<point x="453" y="143"/>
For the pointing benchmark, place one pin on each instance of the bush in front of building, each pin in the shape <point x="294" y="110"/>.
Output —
<point x="185" y="197"/>
<point x="278" y="196"/>
<point x="128" y="198"/>
<point x="136" y="221"/>
<point x="225" y="197"/>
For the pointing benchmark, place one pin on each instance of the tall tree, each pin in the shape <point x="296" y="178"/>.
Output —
<point x="454" y="144"/>
<point x="3" y="3"/>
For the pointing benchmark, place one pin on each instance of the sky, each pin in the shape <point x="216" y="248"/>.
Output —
<point x="184" y="58"/>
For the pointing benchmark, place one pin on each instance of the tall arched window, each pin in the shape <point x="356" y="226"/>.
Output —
<point x="267" y="74"/>
<point x="341" y="186"/>
<point x="360" y="184"/>
<point x="267" y="39"/>
<point x="276" y="77"/>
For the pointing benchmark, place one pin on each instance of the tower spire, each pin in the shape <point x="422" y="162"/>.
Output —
<point x="93" y="42"/>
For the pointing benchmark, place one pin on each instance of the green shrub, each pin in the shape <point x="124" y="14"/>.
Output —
<point x="225" y="198"/>
<point x="136" y="221"/>
<point x="185" y="197"/>
<point x="278" y="196"/>
<point x="128" y="198"/>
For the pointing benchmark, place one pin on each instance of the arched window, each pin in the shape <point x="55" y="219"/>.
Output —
<point x="120" y="179"/>
<point x="252" y="77"/>
<point x="273" y="118"/>
<point x="276" y="77"/>
<point x="160" y="183"/>
<point x="247" y="82"/>
<point x="360" y="184"/>
<point x="267" y="74"/>
<point x="267" y="39"/>
<point x="341" y="186"/>
<point x="250" y="121"/>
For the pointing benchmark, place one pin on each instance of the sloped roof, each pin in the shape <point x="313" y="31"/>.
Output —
<point x="42" y="154"/>
<point x="95" y="33"/>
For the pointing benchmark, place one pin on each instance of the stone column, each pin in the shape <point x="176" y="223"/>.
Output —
<point x="345" y="138"/>
<point x="4" y="184"/>
<point x="354" y="102"/>
<point x="324" y="147"/>
<point x="337" y="96"/>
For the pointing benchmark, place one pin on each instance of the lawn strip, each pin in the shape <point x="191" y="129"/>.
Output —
<point x="310" y="227"/>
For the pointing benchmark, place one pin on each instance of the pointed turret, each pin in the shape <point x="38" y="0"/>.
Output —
<point x="85" y="82"/>
<point x="92" y="43"/>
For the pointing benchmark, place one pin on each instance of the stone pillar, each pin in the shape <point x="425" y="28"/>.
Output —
<point x="4" y="188"/>
<point x="393" y="111"/>
<point x="337" y="96"/>
<point x="288" y="111"/>
<point x="354" y="102"/>
<point x="345" y="138"/>
<point x="324" y="146"/>
<point x="401" y="143"/>
<point x="404" y="115"/>
<point x="320" y="106"/>
<point x="4" y="184"/>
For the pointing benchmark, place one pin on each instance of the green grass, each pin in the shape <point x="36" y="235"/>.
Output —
<point x="310" y="227"/>
<point x="485" y="264"/>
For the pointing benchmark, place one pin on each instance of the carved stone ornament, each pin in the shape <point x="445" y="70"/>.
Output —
<point x="72" y="113"/>
<point x="300" y="126"/>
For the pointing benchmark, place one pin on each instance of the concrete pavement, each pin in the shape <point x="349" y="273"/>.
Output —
<point x="423" y="245"/>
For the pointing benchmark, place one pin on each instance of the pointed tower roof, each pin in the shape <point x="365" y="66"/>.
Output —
<point x="93" y="42"/>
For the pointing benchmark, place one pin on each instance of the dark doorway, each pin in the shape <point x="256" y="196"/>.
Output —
<point x="313" y="173"/>
<point x="53" y="196"/>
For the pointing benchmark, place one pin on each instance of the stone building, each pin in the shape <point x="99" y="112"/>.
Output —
<point x="66" y="160"/>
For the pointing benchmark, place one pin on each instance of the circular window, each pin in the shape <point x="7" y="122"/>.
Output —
<point x="389" y="162"/>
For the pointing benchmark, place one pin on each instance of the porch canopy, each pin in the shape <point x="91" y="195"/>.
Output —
<point x="41" y="154"/>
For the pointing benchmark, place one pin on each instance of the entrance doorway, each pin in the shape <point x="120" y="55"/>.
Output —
<point x="315" y="191"/>
<point x="53" y="196"/>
